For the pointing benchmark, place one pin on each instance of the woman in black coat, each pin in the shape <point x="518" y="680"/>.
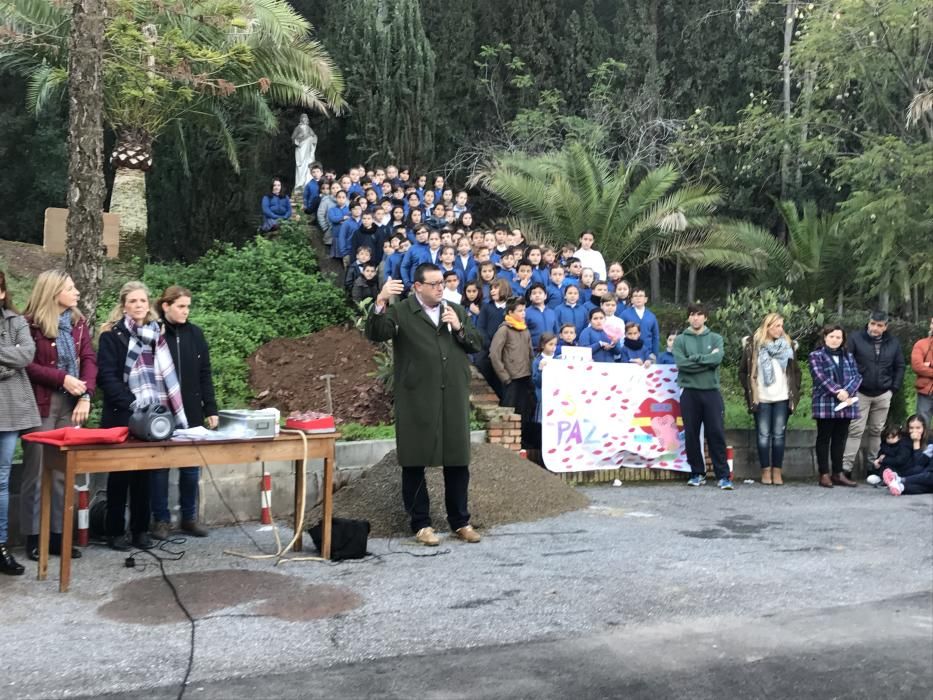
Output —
<point x="193" y="367"/>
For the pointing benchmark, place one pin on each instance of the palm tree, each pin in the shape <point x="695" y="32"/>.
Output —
<point x="167" y="65"/>
<point x="818" y="257"/>
<point x="635" y="219"/>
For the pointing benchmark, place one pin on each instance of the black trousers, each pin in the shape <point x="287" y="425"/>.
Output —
<point x="117" y="485"/>
<point x="704" y="407"/>
<point x="831" y="436"/>
<point x="418" y="505"/>
<point x="520" y="395"/>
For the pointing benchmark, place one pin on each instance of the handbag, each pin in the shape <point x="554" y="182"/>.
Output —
<point x="348" y="538"/>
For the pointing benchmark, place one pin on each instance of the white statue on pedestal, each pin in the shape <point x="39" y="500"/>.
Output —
<point x="305" y="141"/>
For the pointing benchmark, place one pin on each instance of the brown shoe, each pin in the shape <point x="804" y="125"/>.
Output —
<point x="776" y="477"/>
<point x="825" y="481"/>
<point x="192" y="528"/>
<point x="841" y="479"/>
<point x="427" y="537"/>
<point x="766" y="475"/>
<point x="161" y="530"/>
<point x="468" y="534"/>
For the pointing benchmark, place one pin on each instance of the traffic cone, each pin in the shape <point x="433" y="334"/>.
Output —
<point x="730" y="454"/>
<point x="266" y="499"/>
<point x="83" y="515"/>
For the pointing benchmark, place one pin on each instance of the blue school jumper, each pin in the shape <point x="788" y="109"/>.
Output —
<point x="576" y="314"/>
<point x="650" y="332"/>
<point x="591" y="338"/>
<point x="539" y="322"/>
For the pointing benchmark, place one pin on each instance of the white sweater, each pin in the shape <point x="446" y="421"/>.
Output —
<point x="592" y="259"/>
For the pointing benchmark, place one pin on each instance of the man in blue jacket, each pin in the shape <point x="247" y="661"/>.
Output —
<point x="646" y="320"/>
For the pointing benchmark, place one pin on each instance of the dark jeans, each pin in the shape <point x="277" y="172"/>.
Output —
<point x="704" y="407"/>
<point x="918" y="483"/>
<point x="771" y="421"/>
<point x="188" y="478"/>
<point x="831" y="436"/>
<point x="418" y="505"/>
<point x="117" y="485"/>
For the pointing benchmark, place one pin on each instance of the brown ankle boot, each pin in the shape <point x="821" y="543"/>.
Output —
<point x="825" y="481"/>
<point x="766" y="475"/>
<point x="776" y="477"/>
<point x="841" y="479"/>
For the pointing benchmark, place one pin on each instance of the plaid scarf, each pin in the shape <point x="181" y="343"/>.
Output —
<point x="151" y="375"/>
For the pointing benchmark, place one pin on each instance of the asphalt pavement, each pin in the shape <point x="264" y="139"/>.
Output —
<point x="653" y="591"/>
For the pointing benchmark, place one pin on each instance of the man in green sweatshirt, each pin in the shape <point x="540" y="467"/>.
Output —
<point x="698" y="354"/>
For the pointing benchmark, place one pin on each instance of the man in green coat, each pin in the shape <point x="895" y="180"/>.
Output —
<point x="430" y="340"/>
<point x="698" y="354"/>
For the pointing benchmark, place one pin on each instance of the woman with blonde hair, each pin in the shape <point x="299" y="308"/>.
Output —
<point x="63" y="375"/>
<point x="135" y="370"/>
<point x="771" y="379"/>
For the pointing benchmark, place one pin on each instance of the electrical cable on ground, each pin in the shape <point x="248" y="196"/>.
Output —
<point x="160" y="561"/>
<point x="280" y="551"/>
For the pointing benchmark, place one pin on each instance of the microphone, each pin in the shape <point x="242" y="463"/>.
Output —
<point x="443" y="311"/>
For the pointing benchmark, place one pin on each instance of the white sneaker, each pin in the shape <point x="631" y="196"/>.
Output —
<point x="873" y="479"/>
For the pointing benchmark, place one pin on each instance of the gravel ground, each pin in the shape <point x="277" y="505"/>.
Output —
<point x="637" y="555"/>
<point x="504" y="488"/>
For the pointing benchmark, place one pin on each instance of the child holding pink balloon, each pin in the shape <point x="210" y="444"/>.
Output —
<point x="602" y="336"/>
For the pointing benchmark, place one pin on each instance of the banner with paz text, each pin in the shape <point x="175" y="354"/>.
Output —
<point x="600" y="415"/>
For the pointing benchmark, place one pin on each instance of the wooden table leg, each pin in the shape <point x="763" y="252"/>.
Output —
<point x="45" y="513"/>
<point x="300" y="487"/>
<point x="67" y="522"/>
<point x="327" y="511"/>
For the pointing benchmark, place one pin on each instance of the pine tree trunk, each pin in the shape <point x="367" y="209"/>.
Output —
<point x="86" y="189"/>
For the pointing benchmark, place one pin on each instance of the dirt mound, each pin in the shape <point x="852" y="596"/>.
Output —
<point x="27" y="259"/>
<point x="504" y="488"/>
<point x="286" y="373"/>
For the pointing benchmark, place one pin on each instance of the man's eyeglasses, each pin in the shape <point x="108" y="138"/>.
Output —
<point x="435" y="285"/>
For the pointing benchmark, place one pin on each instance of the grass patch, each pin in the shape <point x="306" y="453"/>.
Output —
<point x="354" y="432"/>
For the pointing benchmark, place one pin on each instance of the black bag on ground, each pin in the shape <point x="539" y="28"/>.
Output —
<point x="348" y="538"/>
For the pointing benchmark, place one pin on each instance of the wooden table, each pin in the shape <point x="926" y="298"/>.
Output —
<point x="135" y="455"/>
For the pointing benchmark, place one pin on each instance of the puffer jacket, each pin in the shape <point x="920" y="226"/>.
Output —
<point x="882" y="371"/>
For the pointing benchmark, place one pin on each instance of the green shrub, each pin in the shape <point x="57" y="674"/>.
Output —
<point x="744" y="310"/>
<point x="232" y="336"/>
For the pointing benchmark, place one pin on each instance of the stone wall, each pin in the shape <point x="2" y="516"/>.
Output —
<point x="502" y="426"/>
